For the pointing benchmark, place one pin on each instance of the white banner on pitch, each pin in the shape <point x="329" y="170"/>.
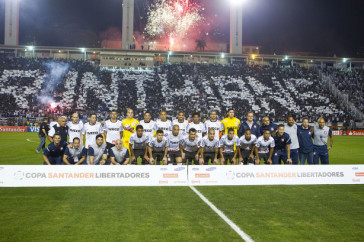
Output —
<point x="275" y="175"/>
<point x="54" y="176"/>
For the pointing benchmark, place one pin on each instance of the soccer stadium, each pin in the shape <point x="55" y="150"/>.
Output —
<point x="181" y="120"/>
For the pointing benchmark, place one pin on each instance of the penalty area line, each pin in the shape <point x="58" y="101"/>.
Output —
<point x="240" y="232"/>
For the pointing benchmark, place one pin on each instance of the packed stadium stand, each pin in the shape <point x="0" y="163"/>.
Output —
<point x="31" y="87"/>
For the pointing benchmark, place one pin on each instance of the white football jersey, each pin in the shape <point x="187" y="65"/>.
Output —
<point x="190" y="145"/>
<point x="173" y="142"/>
<point x="182" y="126"/>
<point x="217" y="126"/>
<point x="113" y="130"/>
<point x="148" y="128"/>
<point x="209" y="146"/>
<point x="157" y="146"/>
<point x="139" y="143"/>
<point x="74" y="130"/>
<point x="227" y="145"/>
<point x="264" y="145"/>
<point x="292" y="131"/>
<point x="165" y="126"/>
<point x="198" y="127"/>
<point x="91" y="132"/>
<point x="247" y="144"/>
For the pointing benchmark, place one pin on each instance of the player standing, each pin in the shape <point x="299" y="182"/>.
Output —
<point x="291" y="129"/>
<point x="181" y="122"/>
<point x="148" y="125"/>
<point x="230" y="122"/>
<point x="214" y="124"/>
<point x="75" y="127"/>
<point x="91" y="129"/>
<point x="305" y="140"/>
<point x="196" y="124"/>
<point x="60" y="128"/>
<point x="113" y="130"/>
<point x="251" y="124"/>
<point x="163" y="123"/>
<point x="282" y="143"/>
<point x="320" y="150"/>
<point x="268" y="125"/>
<point x="129" y="125"/>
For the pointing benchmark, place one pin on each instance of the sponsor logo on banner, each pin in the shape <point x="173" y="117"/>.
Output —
<point x="230" y="175"/>
<point x="33" y="129"/>
<point x="211" y="169"/>
<point x="359" y="173"/>
<point x="355" y="132"/>
<point x="170" y="175"/>
<point x="202" y="175"/>
<point x="13" y="129"/>
<point x="337" y="132"/>
<point x="18" y="175"/>
<point x="179" y="169"/>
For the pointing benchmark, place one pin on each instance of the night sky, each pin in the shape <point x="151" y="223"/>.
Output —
<point x="325" y="27"/>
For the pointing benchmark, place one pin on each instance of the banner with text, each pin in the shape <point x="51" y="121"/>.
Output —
<point x="53" y="176"/>
<point x="275" y="175"/>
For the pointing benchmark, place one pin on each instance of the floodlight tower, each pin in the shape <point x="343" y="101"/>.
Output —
<point x="128" y="24"/>
<point x="11" y="35"/>
<point x="236" y="26"/>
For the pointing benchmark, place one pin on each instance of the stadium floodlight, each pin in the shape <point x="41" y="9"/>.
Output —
<point x="345" y="60"/>
<point x="236" y="2"/>
<point x="286" y="57"/>
<point x="83" y="50"/>
<point x="30" y="48"/>
<point x="170" y="53"/>
<point x="253" y="56"/>
<point x="222" y="55"/>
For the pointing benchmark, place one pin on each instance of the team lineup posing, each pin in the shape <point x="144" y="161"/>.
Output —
<point x="180" y="142"/>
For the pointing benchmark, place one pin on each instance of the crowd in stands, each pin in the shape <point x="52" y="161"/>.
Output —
<point x="268" y="91"/>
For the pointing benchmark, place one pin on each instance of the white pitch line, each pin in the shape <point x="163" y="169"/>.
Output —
<point x="240" y="232"/>
<point x="31" y="141"/>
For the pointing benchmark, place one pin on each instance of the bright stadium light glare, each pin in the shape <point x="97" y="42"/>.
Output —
<point x="286" y="57"/>
<point x="236" y="2"/>
<point x="222" y="55"/>
<point x="83" y="49"/>
<point x="30" y="48"/>
<point x="345" y="60"/>
<point x="170" y="53"/>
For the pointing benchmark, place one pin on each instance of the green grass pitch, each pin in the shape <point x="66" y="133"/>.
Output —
<point x="266" y="213"/>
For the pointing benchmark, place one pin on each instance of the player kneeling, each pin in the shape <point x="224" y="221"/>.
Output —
<point x="97" y="153"/>
<point x="52" y="155"/>
<point x="246" y="148"/>
<point x="209" y="148"/>
<point x="138" y="146"/>
<point x="227" y="143"/>
<point x="157" y="149"/>
<point x="75" y="153"/>
<point x="119" y="155"/>
<point x="190" y="148"/>
<point x="265" y="147"/>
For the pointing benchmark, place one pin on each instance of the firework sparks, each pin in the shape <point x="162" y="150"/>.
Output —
<point x="172" y="19"/>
